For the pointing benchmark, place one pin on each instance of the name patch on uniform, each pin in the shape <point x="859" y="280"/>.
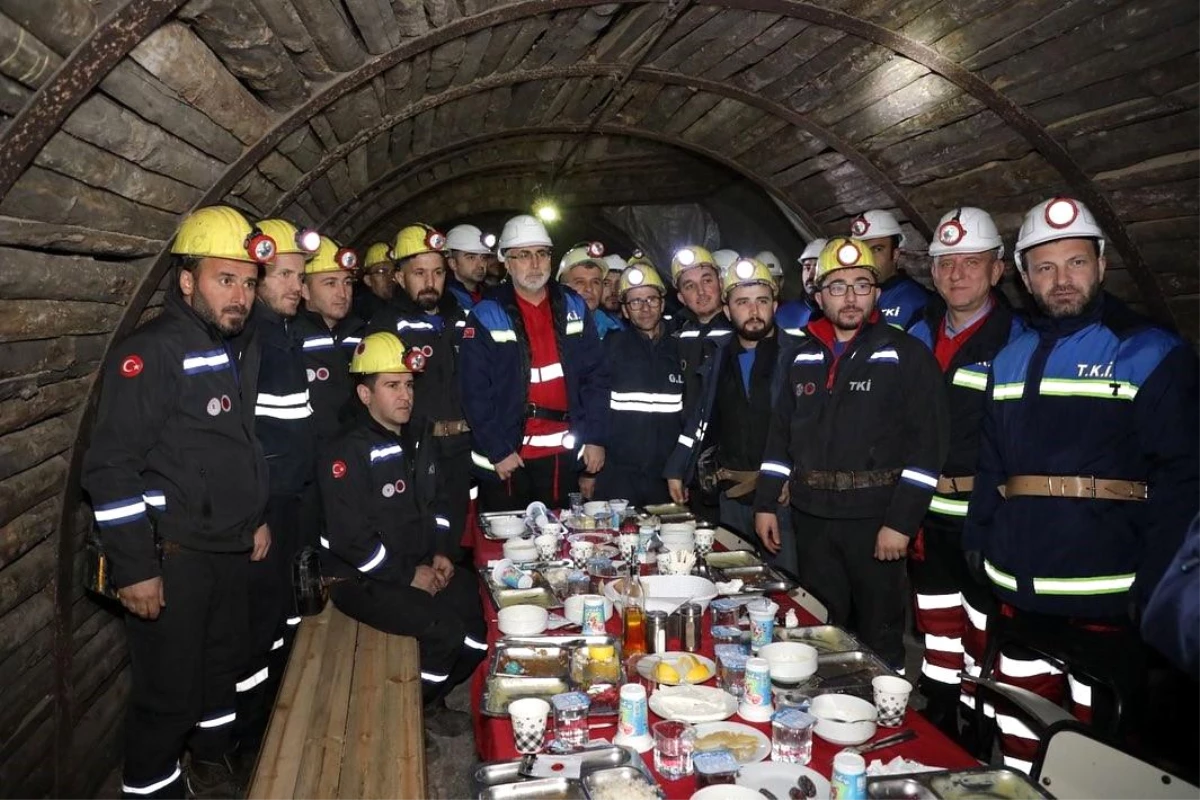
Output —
<point x="132" y="366"/>
<point x="338" y="470"/>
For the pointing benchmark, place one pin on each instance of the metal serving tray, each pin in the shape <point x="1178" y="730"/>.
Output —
<point x="500" y="690"/>
<point x="525" y="661"/>
<point x="846" y="673"/>
<point x="825" y="638"/>
<point x="540" y="789"/>
<point x="502" y="687"/>
<point x="762" y="578"/>
<point x="733" y="559"/>
<point x="986" y="782"/>
<point x="599" y="757"/>
<point x="540" y="594"/>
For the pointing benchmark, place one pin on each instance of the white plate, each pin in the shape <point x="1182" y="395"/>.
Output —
<point x="725" y="791"/>
<point x="764" y="743"/>
<point x="778" y="778"/>
<point x="646" y="666"/>
<point x="684" y="703"/>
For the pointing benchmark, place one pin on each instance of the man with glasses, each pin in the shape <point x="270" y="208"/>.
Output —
<point x="858" y="434"/>
<point x="646" y="397"/>
<point x="736" y="409"/>
<point x="534" y="383"/>
<point x="378" y="283"/>
<point x="964" y="327"/>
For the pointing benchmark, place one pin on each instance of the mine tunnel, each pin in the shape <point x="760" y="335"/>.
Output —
<point x="749" y="125"/>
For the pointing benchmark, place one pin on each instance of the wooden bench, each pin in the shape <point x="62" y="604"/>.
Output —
<point x="347" y="722"/>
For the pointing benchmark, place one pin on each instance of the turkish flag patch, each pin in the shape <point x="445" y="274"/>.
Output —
<point x="339" y="469"/>
<point x="468" y="333"/>
<point x="132" y="366"/>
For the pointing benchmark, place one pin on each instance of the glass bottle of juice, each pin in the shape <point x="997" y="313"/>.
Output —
<point x="633" y="616"/>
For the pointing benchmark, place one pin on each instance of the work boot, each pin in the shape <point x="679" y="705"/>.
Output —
<point x="445" y="721"/>
<point x="212" y="780"/>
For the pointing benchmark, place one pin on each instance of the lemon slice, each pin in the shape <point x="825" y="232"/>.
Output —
<point x="697" y="674"/>
<point x="665" y="673"/>
<point x="600" y="652"/>
<point x="686" y="663"/>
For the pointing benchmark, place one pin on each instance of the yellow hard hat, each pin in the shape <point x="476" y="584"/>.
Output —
<point x="687" y="257"/>
<point x="222" y="232"/>
<point x="638" y="274"/>
<point x="413" y="240"/>
<point x="844" y="253"/>
<point x="747" y="272"/>
<point x="290" y="239"/>
<point x="384" y="352"/>
<point x="377" y="254"/>
<point x="331" y="258"/>
<point x="590" y="253"/>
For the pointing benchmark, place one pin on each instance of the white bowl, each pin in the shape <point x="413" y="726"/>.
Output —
<point x="843" y="706"/>
<point x="594" y="507"/>
<point x="672" y="528"/>
<point x="520" y="550"/>
<point x="522" y="620"/>
<point x="790" y="662"/>
<point x="667" y="592"/>
<point x="506" y="527"/>
<point x="573" y="608"/>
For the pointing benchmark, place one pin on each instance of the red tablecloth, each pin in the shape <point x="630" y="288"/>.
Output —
<point x="494" y="737"/>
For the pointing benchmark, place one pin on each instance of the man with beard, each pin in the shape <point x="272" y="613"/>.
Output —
<point x="964" y="327"/>
<point x="381" y="493"/>
<point x="467" y="260"/>
<point x="328" y="333"/>
<point x="283" y="424"/>
<point x="900" y="297"/>
<point x="646" y="397"/>
<point x="858" y="434"/>
<point x="534" y="384"/>
<point x="610" y="298"/>
<point x="178" y="484"/>
<point x="794" y="315"/>
<point x="430" y="323"/>
<point x="1087" y="476"/>
<point x="378" y="282"/>
<point x="735" y="409"/>
<point x="495" y="273"/>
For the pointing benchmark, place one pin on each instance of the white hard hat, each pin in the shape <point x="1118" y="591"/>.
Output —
<point x="876" y="224"/>
<point x="590" y="253"/>
<point x="723" y="258"/>
<point x="1054" y="219"/>
<point x="615" y="263"/>
<point x="522" y="230"/>
<point x="467" y="239"/>
<point x="813" y="251"/>
<point x="772" y="262"/>
<point x="966" y="230"/>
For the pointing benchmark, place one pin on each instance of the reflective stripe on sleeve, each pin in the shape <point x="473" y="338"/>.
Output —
<point x="1008" y="391"/>
<point x="776" y="468"/>
<point x="969" y="379"/>
<point x="940" y="674"/>
<point x="151" y="788"/>
<point x="503" y="336"/>
<point x="442" y="522"/>
<point x="928" y="602"/>
<point x="1000" y="578"/>
<point x="375" y="560"/>
<point x="1100" y="584"/>
<point x="253" y="680"/>
<point x="474" y="644"/>
<point x="434" y="677"/>
<point x="919" y="477"/>
<point x="218" y="721"/>
<point x="120" y="512"/>
<point x="951" y="508"/>
<point x="481" y="462"/>
<point x="686" y="441"/>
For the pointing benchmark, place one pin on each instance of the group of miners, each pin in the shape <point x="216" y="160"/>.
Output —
<point x="1030" y="472"/>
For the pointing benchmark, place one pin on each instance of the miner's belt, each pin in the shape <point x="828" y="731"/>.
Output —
<point x="538" y="412"/>
<point x="959" y="485"/>
<point x="1085" y="487"/>
<point x="840" y="481"/>
<point x="744" y="481"/>
<point x="450" y="427"/>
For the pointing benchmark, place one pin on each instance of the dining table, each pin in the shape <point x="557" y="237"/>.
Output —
<point x="494" y="735"/>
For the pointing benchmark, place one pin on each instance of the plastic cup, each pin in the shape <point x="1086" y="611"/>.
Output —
<point x="632" y="728"/>
<point x="891" y="698"/>
<point x="756" y="694"/>
<point x="791" y="736"/>
<point x="581" y="552"/>
<point x="704" y="540"/>
<point x="547" y="546"/>
<point x="529" y="723"/>
<point x="674" y="743"/>
<point x="762" y="623"/>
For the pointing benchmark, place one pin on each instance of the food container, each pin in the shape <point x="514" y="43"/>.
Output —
<point x="541" y="789"/>
<point x="732" y="559"/>
<point x="503" y="526"/>
<point x="570" y="720"/>
<point x="667" y="592"/>
<point x="522" y="620"/>
<point x="847" y="673"/>
<point x="500" y="690"/>
<point x="614" y="783"/>
<point x="860" y="716"/>
<point x="730" y="635"/>
<point x="714" y="767"/>
<point x="979" y="782"/>
<point x="761" y="578"/>
<point x="524" y="661"/>
<point x="791" y="662"/>
<point x="825" y="638"/>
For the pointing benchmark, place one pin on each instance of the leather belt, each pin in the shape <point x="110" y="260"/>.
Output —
<point x="840" y="481"/>
<point x="1087" y="487"/>
<point x="743" y="480"/>
<point x="538" y="412"/>
<point x="961" y="484"/>
<point x="450" y="427"/>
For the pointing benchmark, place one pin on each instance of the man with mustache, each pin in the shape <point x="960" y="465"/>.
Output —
<point x="467" y="260"/>
<point x="382" y="542"/>
<point x="1087" y="477"/>
<point x="858" y="434"/>
<point x="534" y="384"/>
<point x="585" y="271"/>
<point x="178" y="485"/>
<point x="328" y="332"/>
<point x="378" y="281"/>
<point x="283" y="424"/>
<point x="735" y="408"/>
<point x="430" y="322"/>
<point x="794" y="315"/>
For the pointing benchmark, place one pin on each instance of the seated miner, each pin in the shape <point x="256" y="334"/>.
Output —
<point x="382" y="516"/>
